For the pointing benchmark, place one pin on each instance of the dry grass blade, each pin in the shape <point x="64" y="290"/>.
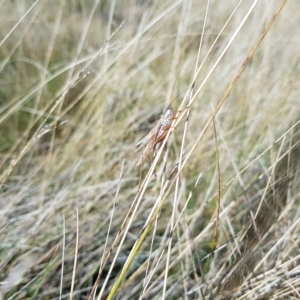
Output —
<point x="63" y="258"/>
<point x="215" y="237"/>
<point x="18" y="23"/>
<point x="75" y="256"/>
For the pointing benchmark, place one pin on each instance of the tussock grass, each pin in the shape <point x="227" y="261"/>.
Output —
<point x="215" y="216"/>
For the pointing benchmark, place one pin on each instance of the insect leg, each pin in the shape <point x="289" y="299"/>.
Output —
<point x="161" y="137"/>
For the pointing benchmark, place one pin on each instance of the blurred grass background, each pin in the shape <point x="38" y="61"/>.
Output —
<point x="72" y="108"/>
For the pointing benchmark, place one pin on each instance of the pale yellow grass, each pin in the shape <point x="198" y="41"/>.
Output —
<point x="79" y="88"/>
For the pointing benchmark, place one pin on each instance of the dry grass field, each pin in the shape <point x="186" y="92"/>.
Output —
<point x="214" y="214"/>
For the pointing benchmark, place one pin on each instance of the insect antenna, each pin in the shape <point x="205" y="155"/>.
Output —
<point x="174" y="84"/>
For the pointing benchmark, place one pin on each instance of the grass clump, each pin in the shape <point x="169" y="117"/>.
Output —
<point x="214" y="215"/>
